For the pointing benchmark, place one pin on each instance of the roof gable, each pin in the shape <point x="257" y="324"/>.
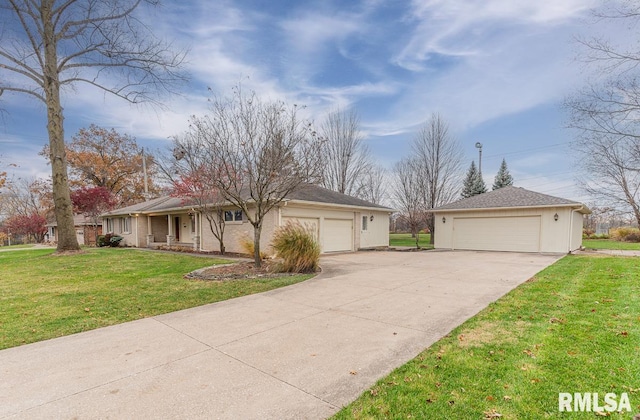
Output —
<point x="508" y="197"/>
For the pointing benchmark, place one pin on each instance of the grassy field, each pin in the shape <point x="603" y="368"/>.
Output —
<point x="405" y="239"/>
<point x="44" y="296"/>
<point x="575" y="327"/>
<point x="610" y="244"/>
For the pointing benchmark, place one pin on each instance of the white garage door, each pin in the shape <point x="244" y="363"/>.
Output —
<point x="521" y="234"/>
<point x="338" y="235"/>
<point x="310" y="222"/>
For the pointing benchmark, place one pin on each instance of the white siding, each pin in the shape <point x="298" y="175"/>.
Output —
<point x="555" y="236"/>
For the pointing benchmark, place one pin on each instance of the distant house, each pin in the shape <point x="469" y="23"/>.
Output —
<point x="85" y="230"/>
<point x="340" y="222"/>
<point x="510" y="219"/>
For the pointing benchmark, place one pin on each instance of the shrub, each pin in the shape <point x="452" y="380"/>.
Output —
<point x="621" y="233"/>
<point x="295" y="244"/>
<point x="114" y="241"/>
<point x="109" y="240"/>
<point x="633" y="237"/>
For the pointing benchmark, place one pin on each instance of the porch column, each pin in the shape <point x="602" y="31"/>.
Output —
<point x="170" y="236"/>
<point x="196" y="237"/>
<point x="149" y="233"/>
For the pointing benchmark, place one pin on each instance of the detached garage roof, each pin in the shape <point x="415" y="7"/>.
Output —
<point x="510" y="197"/>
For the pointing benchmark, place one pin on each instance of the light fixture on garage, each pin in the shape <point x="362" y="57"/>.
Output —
<point x="555" y="217"/>
<point x="444" y="219"/>
<point x="371" y="218"/>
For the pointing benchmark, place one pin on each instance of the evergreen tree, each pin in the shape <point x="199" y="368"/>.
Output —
<point x="473" y="183"/>
<point x="503" y="177"/>
<point x="479" y="187"/>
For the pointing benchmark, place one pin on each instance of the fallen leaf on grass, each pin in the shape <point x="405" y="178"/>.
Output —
<point x="490" y="398"/>
<point x="507" y="398"/>
<point x="602" y="414"/>
<point x="555" y="320"/>
<point x="374" y="392"/>
<point x="529" y="353"/>
<point x="623" y="333"/>
<point x="492" y="414"/>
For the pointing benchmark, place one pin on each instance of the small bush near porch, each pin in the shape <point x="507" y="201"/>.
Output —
<point x="44" y="296"/>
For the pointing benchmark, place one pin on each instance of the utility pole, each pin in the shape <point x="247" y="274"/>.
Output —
<point x="146" y="180"/>
<point x="479" y="147"/>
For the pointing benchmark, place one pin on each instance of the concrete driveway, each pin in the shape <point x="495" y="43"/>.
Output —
<point x="298" y="352"/>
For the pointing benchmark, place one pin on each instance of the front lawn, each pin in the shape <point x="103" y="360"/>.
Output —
<point x="610" y="244"/>
<point x="44" y="295"/>
<point x="575" y="327"/>
<point x="405" y="239"/>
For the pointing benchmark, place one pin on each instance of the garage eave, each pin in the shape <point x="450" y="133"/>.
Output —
<point x="579" y="208"/>
<point x="318" y="204"/>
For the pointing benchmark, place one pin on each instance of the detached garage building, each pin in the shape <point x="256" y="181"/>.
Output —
<point x="510" y="219"/>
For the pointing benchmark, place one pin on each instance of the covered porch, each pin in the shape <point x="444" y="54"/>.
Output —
<point x="174" y="230"/>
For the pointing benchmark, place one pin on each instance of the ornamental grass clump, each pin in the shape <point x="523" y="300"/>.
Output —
<point x="296" y="245"/>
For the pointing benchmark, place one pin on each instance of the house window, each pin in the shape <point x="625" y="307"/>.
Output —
<point x="126" y="225"/>
<point x="110" y="225"/>
<point x="365" y="222"/>
<point x="233" y="216"/>
<point x="193" y="223"/>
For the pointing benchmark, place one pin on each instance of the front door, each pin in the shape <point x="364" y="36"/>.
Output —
<point x="176" y="228"/>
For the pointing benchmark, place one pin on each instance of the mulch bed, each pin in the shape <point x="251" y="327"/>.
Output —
<point x="238" y="271"/>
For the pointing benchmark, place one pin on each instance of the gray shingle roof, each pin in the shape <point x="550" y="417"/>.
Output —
<point x="157" y="204"/>
<point x="307" y="192"/>
<point x="508" y="197"/>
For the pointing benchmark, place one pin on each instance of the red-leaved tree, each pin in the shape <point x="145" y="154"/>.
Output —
<point x="196" y="187"/>
<point x="27" y="224"/>
<point x="92" y="202"/>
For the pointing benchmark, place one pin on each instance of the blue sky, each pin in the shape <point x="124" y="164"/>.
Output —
<point x="496" y="70"/>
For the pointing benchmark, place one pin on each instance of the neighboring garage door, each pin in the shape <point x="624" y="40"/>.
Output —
<point x="338" y="235"/>
<point x="521" y="234"/>
<point x="310" y="222"/>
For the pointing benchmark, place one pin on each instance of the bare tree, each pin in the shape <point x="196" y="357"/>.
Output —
<point x="606" y="113"/>
<point x="192" y="178"/>
<point x="259" y="151"/>
<point x="408" y="197"/>
<point x="604" y="162"/>
<point x="47" y="45"/>
<point x="346" y="158"/>
<point x="373" y="186"/>
<point x="438" y="162"/>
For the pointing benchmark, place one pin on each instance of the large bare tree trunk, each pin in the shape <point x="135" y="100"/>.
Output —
<point x="67" y="240"/>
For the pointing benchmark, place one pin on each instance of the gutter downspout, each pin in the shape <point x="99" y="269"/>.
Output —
<point x="571" y="226"/>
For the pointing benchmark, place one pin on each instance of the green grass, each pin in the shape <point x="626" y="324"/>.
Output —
<point x="574" y="328"/>
<point x="610" y="244"/>
<point x="21" y="246"/>
<point x="43" y="295"/>
<point x="405" y="239"/>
